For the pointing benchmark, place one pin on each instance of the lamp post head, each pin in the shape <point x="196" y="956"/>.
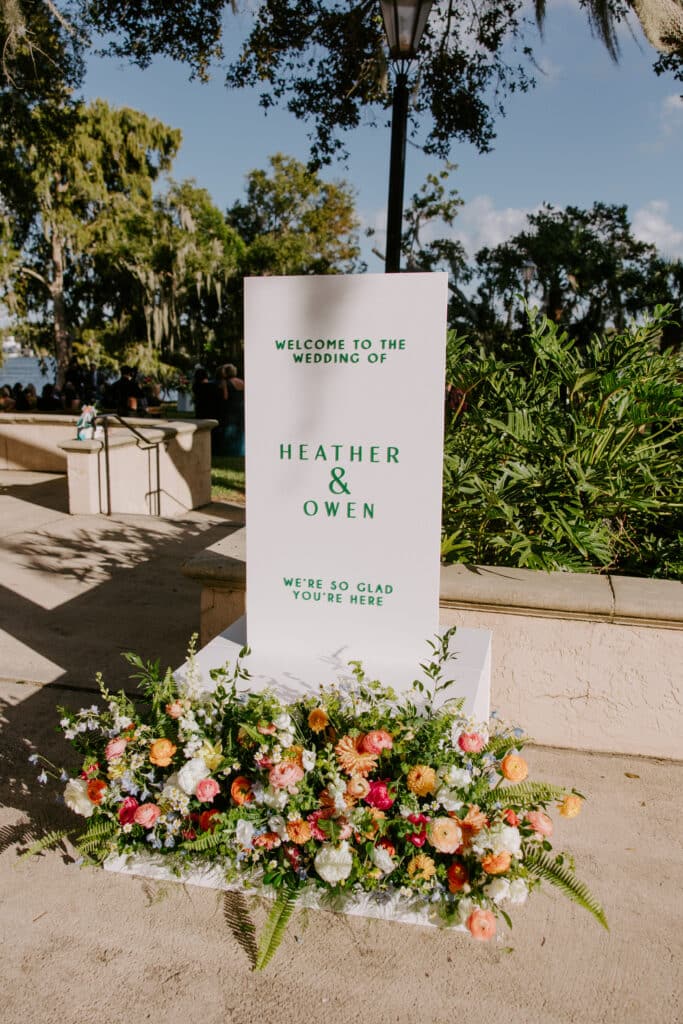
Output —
<point x="404" y="24"/>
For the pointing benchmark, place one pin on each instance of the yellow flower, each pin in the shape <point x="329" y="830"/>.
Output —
<point x="570" y="806"/>
<point x="211" y="754"/>
<point x="317" y="719"/>
<point x="116" y="770"/>
<point x="421" y="780"/>
<point x="421" y="867"/>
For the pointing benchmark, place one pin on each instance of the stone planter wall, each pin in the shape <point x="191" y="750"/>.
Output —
<point x="581" y="661"/>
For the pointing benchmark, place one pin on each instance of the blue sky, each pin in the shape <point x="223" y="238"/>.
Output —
<point x="591" y="130"/>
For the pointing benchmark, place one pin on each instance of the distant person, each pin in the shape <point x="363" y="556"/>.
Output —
<point x="93" y="384"/>
<point x="50" y="399"/>
<point x="129" y="396"/>
<point x="230" y="408"/>
<point x="204" y="395"/>
<point x="7" y="402"/>
<point x="76" y="377"/>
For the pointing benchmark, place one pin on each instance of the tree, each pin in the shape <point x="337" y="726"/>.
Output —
<point x="65" y="191"/>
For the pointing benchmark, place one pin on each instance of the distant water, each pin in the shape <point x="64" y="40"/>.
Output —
<point x="27" y="370"/>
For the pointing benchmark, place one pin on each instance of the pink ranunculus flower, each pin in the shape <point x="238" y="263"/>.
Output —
<point x="285" y="775"/>
<point x="175" y="709"/>
<point x="540" y="822"/>
<point x="115" y="748"/>
<point x="147" y="815"/>
<point x="445" y="835"/>
<point x="482" y="925"/>
<point x="376" y="741"/>
<point x="207" y="790"/>
<point x="471" y="742"/>
<point x="378" y="795"/>
<point x="129" y="806"/>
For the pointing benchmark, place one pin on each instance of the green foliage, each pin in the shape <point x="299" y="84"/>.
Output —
<point x="567" y="457"/>
<point x="47" y="842"/>
<point x="96" y="842"/>
<point x="275" y="926"/>
<point x="523" y="793"/>
<point x="554" y="870"/>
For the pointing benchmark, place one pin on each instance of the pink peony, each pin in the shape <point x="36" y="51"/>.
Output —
<point x="115" y="748"/>
<point x="285" y="775"/>
<point x="471" y="742"/>
<point x="147" y="815"/>
<point x="207" y="790"/>
<point x="376" y="741"/>
<point x="127" y="810"/>
<point x="540" y="822"/>
<point x="378" y="795"/>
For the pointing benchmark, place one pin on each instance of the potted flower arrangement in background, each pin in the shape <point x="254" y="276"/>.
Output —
<point x="354" y="796"/>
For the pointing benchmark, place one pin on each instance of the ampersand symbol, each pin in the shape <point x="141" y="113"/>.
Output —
<point x="337" y="485"/>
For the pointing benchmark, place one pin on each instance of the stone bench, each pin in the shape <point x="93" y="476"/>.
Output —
<point x="583" y="661"/>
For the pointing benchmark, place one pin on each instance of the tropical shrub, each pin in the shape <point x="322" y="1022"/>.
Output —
<point x="567" y="458"/>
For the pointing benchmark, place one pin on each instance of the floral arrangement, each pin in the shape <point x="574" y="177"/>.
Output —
<point x="353" y="789"/>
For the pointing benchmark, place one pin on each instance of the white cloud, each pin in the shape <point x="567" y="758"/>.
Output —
<point x="671" y="114"/>
<point x="479" y="223"/>
<point x="651" y="224"/>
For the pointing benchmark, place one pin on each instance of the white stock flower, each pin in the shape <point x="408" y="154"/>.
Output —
<point x="334" y="863"/>
<point x="286" y="739"/>
<point x="283" y="723"/>
<point x="191" y="773"/>
<point x="337" y="790"/>
<point x="381" y="858"/>
<point x="308" y="759"/>
<point x="244" y="833"/>
<point x="122" y="722"/>
<point x="456" y="778"/>
<point x="498" y="890"/>
<point x="276" y="799"/>
<point x="518" y="891"/>
<point x="76" y="797"/>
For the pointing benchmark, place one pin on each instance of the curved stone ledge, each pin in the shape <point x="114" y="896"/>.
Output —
<point x="581" y="661"/>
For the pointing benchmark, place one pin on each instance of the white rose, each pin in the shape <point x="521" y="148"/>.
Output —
<point x="76" y="797"/>
<point x="308" y="759"/>
<point x="283" y="722"/>
<point x="381" y="858"/>
<point x="334" y="863"/>
<point x="456" y="778"/>
<point x="498" y="839"/>
<point x="244" y="833"/>
<point x="518" y="891"/>
<point x="448" y="799"/>
<point x="498" y="890"/>
<point x="191" y="773"/>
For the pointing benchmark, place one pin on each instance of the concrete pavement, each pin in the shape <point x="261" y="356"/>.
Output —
<point x="87" y="947"/>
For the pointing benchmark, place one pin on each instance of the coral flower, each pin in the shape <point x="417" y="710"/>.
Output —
<point x="457" y="876"/>
<point x="317" y="719"/>
<point x="471" y="742"/>
<point x="299" y="831"/>
<point x="96" y="790"/>
<point x="267" y="840"/>
<point x="421" y="780"/>
<point x="540" y="822"/>
<point x="511" y="818"/>
<point x="356" y="788"/>
<point x="376" y="741"/>
<point x="496" y="863"/>
<point x="147" y="815"/>
<point x="482" y="925"/>
<point x="240" y="790"/>
<point x="570" y="806"/>
<point x="473" y="822"/>
<point x="285" y="775"/>
<point x="175" y="710"/>
<point x="421" y="867"/>
<point x="444" y="834"/>
<point x="352" y="759"/>
<point x="514" y="768"/>
<point x="161" y="753"/>
<point x="207" y="790"/>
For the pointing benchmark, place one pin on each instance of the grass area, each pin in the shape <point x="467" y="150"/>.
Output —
<point x="227" y="478"/>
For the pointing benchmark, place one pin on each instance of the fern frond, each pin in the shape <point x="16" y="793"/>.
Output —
<point x="551" y="870"/>
<point x="499" y="745"/>
<point x="48" y="842"/>
<point x="207" y="842"/>
<point x="97" y="839"/>
<point x="529" y="793"/>
<point x="274" y="930"/>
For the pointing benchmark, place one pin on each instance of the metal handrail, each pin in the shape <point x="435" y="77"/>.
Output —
<point x="146" y="445"/>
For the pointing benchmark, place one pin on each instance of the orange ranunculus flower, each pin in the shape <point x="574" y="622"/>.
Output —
<point x="240" y="790"/>
<point x="496" y="863"/>
<point x="482" y="925"/>
<point x="317" y="719"/>
<point x="161" y="753"/>
<point x="570" y="806"/>
<point x="96" y="790"/>
<point x="421" y="866"/>
<point x="444" y="834"/>
<point x="352" y="759"/>
<point x="457" y="876"/>
<point x="356" y="788"/>
<point x="514" y="768"/>
<point x="299" y="831"/>
<point x="267" y="840"/>
<point x="421" y="780"/>
<point x="473" y="822"/>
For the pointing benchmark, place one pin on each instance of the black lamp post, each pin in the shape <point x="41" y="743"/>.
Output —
<point x="404" y="23"/>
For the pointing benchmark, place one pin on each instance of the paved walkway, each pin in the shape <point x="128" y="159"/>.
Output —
<point x="87" y="947"/>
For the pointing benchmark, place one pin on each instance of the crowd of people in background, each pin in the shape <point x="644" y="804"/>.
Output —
<point x="219" y="396"/>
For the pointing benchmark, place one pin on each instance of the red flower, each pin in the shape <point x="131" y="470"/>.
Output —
<point x="127" y="810"/>
<point x="293" y="855"/>
<point x="206" y="822"/>
<point x="418" y="838"/>
<point x="511" y="818"/>
<point x="378" y="795"/>
<point x="96" y="790"/>
<point x="457" y="876"/>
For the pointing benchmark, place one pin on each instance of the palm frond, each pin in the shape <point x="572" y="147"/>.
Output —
<point x="275" y="926"/>
<point x="554" y="870"/>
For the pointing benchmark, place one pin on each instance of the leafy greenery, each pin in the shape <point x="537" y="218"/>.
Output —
<point x="275" y="927"/>
<point x="568" y="456"/>
<point x="554" y="870"/>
